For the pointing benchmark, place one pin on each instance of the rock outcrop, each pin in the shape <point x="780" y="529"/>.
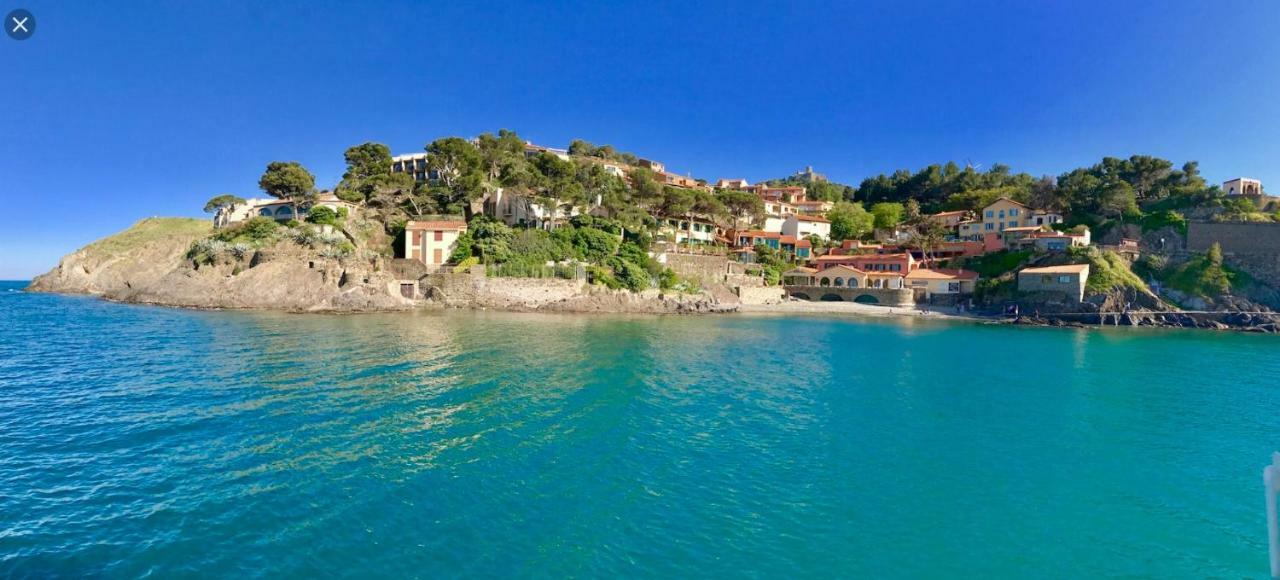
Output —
<point x="148" y="264"/>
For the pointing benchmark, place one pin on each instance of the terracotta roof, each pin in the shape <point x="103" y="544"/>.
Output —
<point x="802" y="270"/>
<point x="437" y="225"/>
<point x="950" y="213"/>
<point x="1024" y="229"/>
<point x="1067" y="269"/>
<point x="812" y="218"/>
<point x="759" y="234"/>
<point x="803" y="244"/>
<point x="942" y="274"/>
<point x="1017" y="203"/>
<point x="846" y="267"/>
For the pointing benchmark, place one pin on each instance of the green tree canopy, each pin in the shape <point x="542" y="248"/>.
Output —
<point x="887" y="214"/>
<point x="850" y="221"/>
<point x="220" y="201"/>
<point x="289" y="181"/>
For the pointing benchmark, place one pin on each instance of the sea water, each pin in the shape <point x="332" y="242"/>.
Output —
<point x="142" y="441"/>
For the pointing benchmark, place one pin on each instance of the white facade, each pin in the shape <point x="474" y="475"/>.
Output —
<point x="802" y="227"/>
<point x="525" y="211"/>
<point x="1242" y="186"/>
<point x="689" y="230"/>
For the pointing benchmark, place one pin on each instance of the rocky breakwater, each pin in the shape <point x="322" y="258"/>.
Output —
<point x="1264" y="322"/>
<point x="150" y="264"/>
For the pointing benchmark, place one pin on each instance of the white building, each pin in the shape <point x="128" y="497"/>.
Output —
<point x="803" y="226"/>
<point x="527" y="211"/>
<point x="1242" y="186"/>
<point x="276" y="209"/>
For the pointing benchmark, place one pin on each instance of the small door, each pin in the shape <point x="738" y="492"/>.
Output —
<point x="406" y="290"/>
<point x="437" y="256"/>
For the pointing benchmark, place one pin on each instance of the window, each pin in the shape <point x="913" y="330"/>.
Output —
<point x="1064" y="279"/>
<point x="991" y="213"/>
<point x="839" y="282"/>
<point x="990" y="226"/>
<point x="953" y="286"/>
<point x="1013" y="212"/>
<point x="439" y="235"/>
<point x="1001" y="214"/>
<point x="1046" y="279"/>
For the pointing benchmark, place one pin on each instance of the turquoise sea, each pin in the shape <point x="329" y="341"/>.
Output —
<point x="140" y="441"/>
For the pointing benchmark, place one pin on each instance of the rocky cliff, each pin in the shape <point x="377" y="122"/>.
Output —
<point x="148" y="264"/>
<point x="151" y="263"/>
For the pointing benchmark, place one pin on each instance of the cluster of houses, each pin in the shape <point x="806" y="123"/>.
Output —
<point x="791" y="224"/>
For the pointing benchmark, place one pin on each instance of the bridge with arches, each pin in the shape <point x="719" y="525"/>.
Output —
<point x="879" y="296"/>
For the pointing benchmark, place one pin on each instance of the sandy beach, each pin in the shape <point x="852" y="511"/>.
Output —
<point x="855" y="309"/>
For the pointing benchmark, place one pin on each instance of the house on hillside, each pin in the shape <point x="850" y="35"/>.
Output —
<point x="433" y="239"/>
<point x="277" y="209"/>
<point x="1002" y="214"/>
<point x="841" y="277"/>
<point x="1069" y="280"/>
<point x="736" y="183"/>
<point x="1242" y="186"/>
<point x="527" y="211"/>
<point x="799" y="249"/>
<point x="688" y="229"/>
<point x="803" y="226"/>
<point x="414" y="164"/>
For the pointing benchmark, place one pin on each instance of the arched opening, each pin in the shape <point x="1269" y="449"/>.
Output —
<point x="265" y="212"/>
<point x="839" y="282"/>
<point x="866" y="299"/>
<point x="832" y="298"/>
<point x="800" y="296"/>
<point x="824" y="282"/>
<point x="853" y="282"/>
<point x="284" y="211"/>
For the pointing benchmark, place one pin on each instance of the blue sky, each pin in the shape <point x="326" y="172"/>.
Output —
<point x="116" y="112"/>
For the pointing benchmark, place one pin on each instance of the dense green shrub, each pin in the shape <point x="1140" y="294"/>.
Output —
<point x="260" y="227"/>
<point x="1165" y="218"/>
<point x="322" y="215"/>
<point x="630" y="275"/>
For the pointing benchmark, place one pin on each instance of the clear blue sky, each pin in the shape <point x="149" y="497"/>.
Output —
<point x="113" y="112"/>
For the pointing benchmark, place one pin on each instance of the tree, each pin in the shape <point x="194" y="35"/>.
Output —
<point x="849" y="221"/>
<point x="887" y="214"/>
<point x="218" y="202"/>
<point x="460" y="168"/>
<point x="1214" y="276"/>
<point x="741" y="205"/>
<point x="911" y="214"/>
<point x="929" y="235"/>
<point x="289" y="181"/>
<point x="368" y="166"/>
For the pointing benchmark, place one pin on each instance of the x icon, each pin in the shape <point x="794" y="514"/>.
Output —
<point x="19" y="24"/>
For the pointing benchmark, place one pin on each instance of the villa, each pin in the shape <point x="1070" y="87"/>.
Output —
<point x="899" y="263"/>
<point x="277" y="209"/>
<point x="803" y="226"/>
<point x="1002" y="214"/>
<point x="415" y="164"/>
<point x="693" y="230"/>
<point x="432" y="241"/>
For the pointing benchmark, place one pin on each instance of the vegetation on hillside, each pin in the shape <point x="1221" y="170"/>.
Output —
<point x="1204" y="275"/>
<point x="146" y="231"/>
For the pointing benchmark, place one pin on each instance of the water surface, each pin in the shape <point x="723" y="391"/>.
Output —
<point x="138" y="440"/>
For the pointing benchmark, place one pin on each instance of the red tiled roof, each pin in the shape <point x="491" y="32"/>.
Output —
<point x="812" y="218"/>
<point x="436" y="225"/>
<point x="943" y="274"/>
<point x="759" y="234"/>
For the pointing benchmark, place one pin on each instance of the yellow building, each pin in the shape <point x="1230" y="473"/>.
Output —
<point x="432" y="241"/>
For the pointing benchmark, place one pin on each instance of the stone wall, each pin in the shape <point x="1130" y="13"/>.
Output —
<point x="1235" y="238"/>
<point x="704" y="269"/>
<point x="760" y="294"/>
<point x="1253" y="247"/>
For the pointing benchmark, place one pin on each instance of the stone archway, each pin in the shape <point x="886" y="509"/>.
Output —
<point x="866" y="299"/>
<point x="832" y="298"/>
